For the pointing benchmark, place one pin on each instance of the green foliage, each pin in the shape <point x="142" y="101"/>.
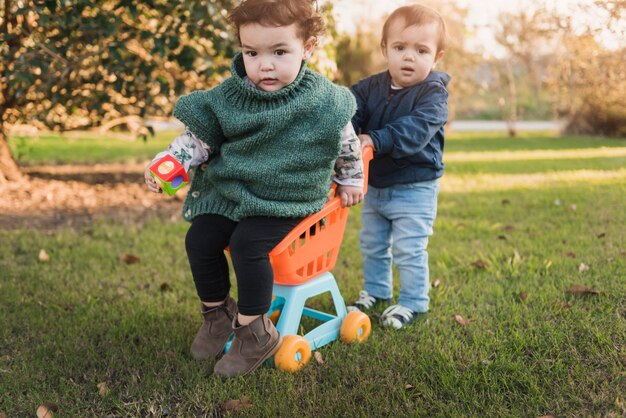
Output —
<point x="562" y="69"/>
<point x="358" y="56"/>
<point x="597" y="86"/>
<point x="77" y="63"/>
<point x="531" y="349"/>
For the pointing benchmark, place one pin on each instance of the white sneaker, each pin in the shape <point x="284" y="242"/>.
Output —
<point x="398" y="316"/>
<point x="365" y="302"/>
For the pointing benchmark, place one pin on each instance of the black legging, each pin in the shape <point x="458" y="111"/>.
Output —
<point x="250" y="241"/>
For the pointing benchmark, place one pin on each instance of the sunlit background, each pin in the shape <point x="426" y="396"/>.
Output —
<point x="111" y="65"/>
<point x="482" y="17"/>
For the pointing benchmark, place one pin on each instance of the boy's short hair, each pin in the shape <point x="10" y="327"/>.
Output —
<point x="417" y="14"/>
<point x="304" y="13"/>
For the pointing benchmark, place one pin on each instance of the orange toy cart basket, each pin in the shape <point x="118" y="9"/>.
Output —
<point x="312" y="247"/>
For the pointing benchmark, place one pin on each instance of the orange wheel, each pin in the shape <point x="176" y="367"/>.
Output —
<point x="356" y="327"/>
<point x="274" y="316"/>
<point x="294" y="353"/>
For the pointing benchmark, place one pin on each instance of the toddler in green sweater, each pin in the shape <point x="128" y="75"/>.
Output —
<point x="262" y="147"/>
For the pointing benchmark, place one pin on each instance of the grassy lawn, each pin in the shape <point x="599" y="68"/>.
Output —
<point x="517" y="227"/>
<point x="86" y="148"/>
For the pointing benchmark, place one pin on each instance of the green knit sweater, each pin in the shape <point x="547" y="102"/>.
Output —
<point x="272" y="152"/>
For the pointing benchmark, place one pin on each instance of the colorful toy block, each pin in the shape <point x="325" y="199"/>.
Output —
<point x="170" y="173"/>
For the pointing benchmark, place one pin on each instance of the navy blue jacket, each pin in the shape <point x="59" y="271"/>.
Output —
<point x="406" y="126"/>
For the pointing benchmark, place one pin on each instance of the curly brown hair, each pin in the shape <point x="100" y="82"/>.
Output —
<point x="304" y="13"/>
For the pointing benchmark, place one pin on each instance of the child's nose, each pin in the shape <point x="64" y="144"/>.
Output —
<point x="266" y="64"/>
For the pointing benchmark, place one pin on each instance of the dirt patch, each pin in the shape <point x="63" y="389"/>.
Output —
<point x="74" y="196"/>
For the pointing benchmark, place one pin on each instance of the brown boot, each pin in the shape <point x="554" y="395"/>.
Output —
<point x="252" y="345"/>
<point x="215" y="331"/>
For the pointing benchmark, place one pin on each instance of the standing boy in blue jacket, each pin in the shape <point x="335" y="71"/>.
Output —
<point x="402" y="113"/>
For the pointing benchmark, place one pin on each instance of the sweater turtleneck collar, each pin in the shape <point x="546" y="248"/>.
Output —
<point x="238" y="72"/>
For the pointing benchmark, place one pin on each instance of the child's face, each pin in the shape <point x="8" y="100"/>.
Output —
<point x="411" y="52"/>
<point x="273" y="55"/>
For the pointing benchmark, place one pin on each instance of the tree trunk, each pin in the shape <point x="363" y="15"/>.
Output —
<point x="512" y="119"/>
<point x="9" y="171"/>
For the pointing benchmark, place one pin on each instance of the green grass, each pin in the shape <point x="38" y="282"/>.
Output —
<point x="538" y="166"/>
<point x="495" y="141"/>
<point x="86" y="148"/>
<point x="86" y="318"/>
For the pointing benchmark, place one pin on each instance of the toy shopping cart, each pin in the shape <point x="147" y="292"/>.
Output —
<point x="302" y="262"/>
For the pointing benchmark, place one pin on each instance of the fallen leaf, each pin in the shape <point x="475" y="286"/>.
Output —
<point x="547" y="416"/>
<point x="46" y="410"/>
<point x="506" y="201"/>
<point x="165" y="287"/>
<point x="489" y="359"/>
<point x="570" y="255"/>
<point x="577" y="289"/>
<point x="436" y="283"/>
<point x="516" y="258"/>
<point x="103" y="389"/>
<point x="460" y="225"/>
<point x="129" y="258"/>
<point x="583" y="267"/>
<point x="480" y="264"/>
<point x="408" y="387"/>
<point x="168" y="354"/>
<point x="572" y="207"/>
<point x="318" y="357"/>
<point x="2" y="415"/>
<point x="508" y="228"/>
<point x="43" y="256"/>
<point x="236" y="405"/>
<point x="558" y="202"/>
<point x="458" y="318"/>
<point x="563" y="304"/>
<point x="522" y="296"/>
<point x="547" y="263"/>
<point x="601" y="235"/>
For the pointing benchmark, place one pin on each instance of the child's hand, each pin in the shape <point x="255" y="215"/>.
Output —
<point x="350" y="195"/>
<point x="152" y="184"/>
<point x="366" y="140"/>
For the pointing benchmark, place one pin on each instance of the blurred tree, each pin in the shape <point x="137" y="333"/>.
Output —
<point x="528" y="36"/>
<point x="324" y="59"/>
<point x="358" y="56"/>
<point x="462" y="64"/>
<point x="590" y="80"/>
<point x="82" y="63"/>
<point x="592" y="84"/>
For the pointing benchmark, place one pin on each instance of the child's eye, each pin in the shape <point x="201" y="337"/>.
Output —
<point x="250" y="53"/>
<point x="280" y="52"/>
<point x="423" y="51"/>
<point x="399" y="48"/>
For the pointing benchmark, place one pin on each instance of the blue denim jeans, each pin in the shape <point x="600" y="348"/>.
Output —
<point x="397" y="222"/>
